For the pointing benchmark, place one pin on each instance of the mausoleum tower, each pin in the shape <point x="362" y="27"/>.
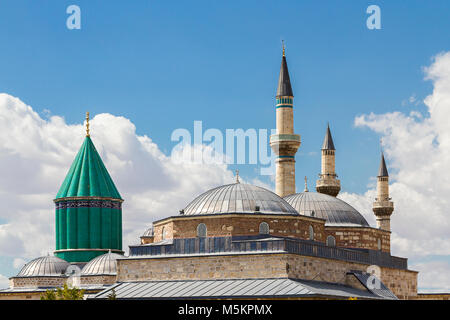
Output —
<point x="88" y="209"/>
<point x="383" y="207"/>
<point x="285" y="143"/>
<point x="328" y="182"/>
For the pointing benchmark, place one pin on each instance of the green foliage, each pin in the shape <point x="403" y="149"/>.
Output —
<point x="64" y="293"/>
<point x="112" y="295"/>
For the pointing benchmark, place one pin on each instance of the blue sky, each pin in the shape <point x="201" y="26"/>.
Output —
<point x="163" y="65"/>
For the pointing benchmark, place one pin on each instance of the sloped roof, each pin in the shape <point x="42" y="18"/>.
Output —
<point x="88" y="177"/>
<point x="284" y="82"/>
<point x="232" y="288"/>
<point x="382" y="172"/>
<point x="328" y="141"/>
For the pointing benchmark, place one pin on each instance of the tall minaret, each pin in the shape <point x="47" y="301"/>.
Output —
<point x="285" y="143"/>
<point x="383" y="207"/>
<point x="328" y="183"/>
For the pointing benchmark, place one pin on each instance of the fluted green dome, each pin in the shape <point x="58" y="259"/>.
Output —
<point x="88" y="176"/>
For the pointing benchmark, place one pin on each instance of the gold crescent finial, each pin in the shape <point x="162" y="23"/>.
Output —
<point x="284" y="51"/>
<point x="87" y="124"/>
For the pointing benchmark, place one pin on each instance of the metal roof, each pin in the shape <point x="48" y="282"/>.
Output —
<point x="335" y="211"/>
<point x="232" y="288"/>
<point x="284" y="82"/>
<point x="328" y="140"/>
<point x="88" y="177"/>
<point x="239" y="198"/>
<point x="47" y="266"/>
<point x="148" y="232"/>
<point x="105" y="264"/>
<point x="374" y="285"/>
<point x="382" y="172"/>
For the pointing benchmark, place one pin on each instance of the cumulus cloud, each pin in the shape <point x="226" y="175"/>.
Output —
<point x="36" y="153"/>
<point x="417" y="148"/>
<point x="4" y="282"/>
<point x="434" y="276"/>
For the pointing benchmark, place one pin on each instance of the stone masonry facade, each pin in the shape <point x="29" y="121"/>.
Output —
<point x="403" y="283"/>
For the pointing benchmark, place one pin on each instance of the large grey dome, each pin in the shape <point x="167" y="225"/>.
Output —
<point x="239" y="198"/>
<point x="48" y="266"/>
<point x="335" y="211"/>
<point x="105" y="264"/>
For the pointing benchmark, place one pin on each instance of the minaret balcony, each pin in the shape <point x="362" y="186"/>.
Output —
<point x="285" y="144"/>
<point x="383" y="204"/>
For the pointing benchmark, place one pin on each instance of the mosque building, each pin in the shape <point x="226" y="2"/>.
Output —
<point x="235" y="241"/>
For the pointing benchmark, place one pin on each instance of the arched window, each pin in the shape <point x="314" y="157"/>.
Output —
<point x="379" y="244"/>
<point x="331" y="241"/>
<point x="201" y="230"/>
<point x="311" y="233"/>
<point x="264" y="228"/>
<point x="163" y="233"/>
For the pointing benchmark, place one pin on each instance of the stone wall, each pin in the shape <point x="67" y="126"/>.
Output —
<point x="357" y="237"/>
<point x="31" y="282"/>
<point x="241" y="225"/>
<point x="402" y="282"/>
<point x="102" y="279"/>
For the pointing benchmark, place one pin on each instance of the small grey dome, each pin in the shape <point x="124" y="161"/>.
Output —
<point x="148" y="232"/>
<point x="239" y="198"/>
<point x="105" y="264"/>
<point x="44" y="267"/>
<point x="335" y="211"/>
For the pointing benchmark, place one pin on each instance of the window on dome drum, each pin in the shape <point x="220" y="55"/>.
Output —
<point x="201" y="230"/>
<point x="331" y="241"/>
<point x="264" y="228"/>
<point x="311" y="233"/>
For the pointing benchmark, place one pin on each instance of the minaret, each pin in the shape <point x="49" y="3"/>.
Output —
<point x="328" y="183"/>
<point x="285" y="143"/>
<point x="88" y="213"/>
<point x="383" y="207"/>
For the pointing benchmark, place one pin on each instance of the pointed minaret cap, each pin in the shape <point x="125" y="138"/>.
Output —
<point x="328" y="140"/>
<point x="382" y="172"/>
<point x="284" y="82"/>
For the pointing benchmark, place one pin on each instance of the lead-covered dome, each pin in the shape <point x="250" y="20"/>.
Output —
<point x="48" y="266"/>
<point x="238" y="198"/>
<point x="335" y="211"/>
<point x="105" y="264"/>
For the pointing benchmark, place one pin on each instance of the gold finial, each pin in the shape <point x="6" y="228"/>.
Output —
<point x="306" y="185"/>
<point x="284" y="51"/>
<point x="87" y="124"/>
<point x="237" y="176"/>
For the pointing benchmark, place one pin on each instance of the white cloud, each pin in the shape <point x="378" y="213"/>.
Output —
<point x="4" y="282"/>
<point x="35" y="155"/>
<point x="434" y="276"/>
<point x="418" y="155"/>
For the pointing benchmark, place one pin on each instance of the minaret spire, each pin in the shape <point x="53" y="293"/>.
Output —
<point x="328" y="182"/>
<point x="285" y="143"/>
<point x="306" y="185"/>
<point x="382" y="206"/>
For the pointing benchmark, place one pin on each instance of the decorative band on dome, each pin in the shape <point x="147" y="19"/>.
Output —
<point x="88" y="204"/>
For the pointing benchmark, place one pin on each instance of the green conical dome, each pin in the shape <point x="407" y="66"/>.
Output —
<point x="88" y="176"/>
